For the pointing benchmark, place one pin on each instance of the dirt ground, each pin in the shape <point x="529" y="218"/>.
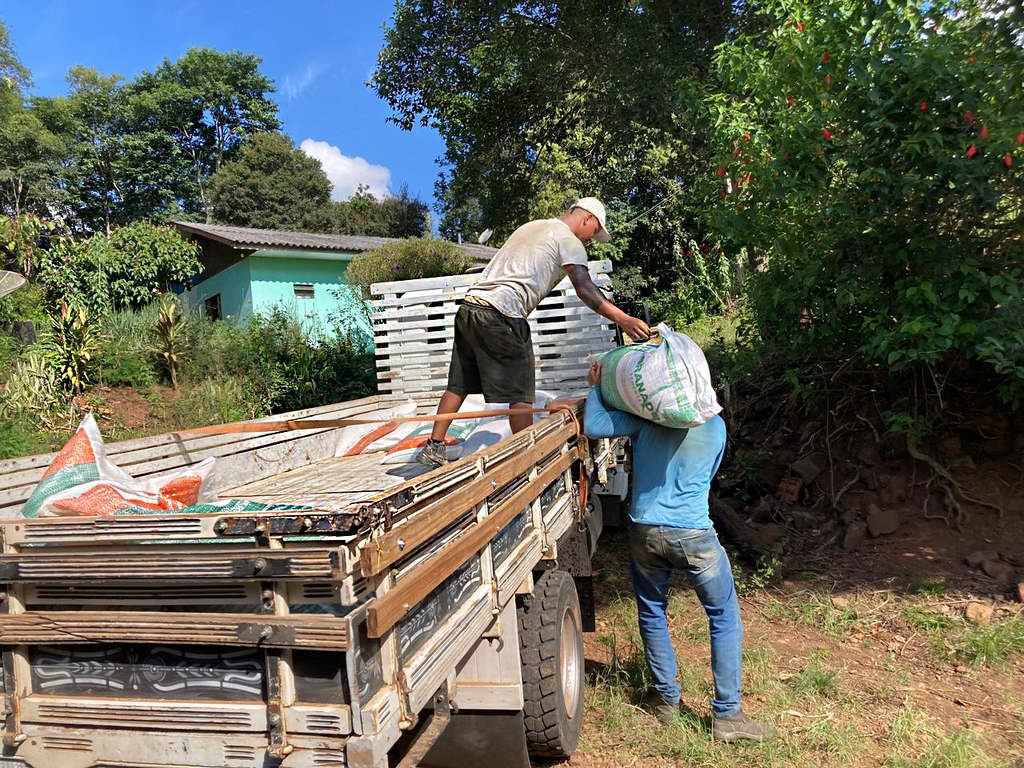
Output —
<point x="861" y="658"/>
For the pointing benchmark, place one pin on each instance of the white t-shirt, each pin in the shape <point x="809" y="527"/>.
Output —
<point x="529" y="266"/>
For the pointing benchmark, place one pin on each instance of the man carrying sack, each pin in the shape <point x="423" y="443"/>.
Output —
<point x="493" y="353"/>
<point x="670" y="529"/>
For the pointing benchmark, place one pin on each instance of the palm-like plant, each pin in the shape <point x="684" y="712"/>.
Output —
<point x="170" y="333"/>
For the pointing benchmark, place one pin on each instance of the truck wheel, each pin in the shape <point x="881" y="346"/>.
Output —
<point x="551" y="652"/>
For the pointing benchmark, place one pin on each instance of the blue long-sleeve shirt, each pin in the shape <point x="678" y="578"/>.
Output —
<point x="672" y="468"/>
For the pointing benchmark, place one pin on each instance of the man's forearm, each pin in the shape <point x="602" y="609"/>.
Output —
<point x="591" y="295"/>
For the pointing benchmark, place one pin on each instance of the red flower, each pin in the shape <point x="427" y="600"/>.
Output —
<point x="739" y="206"/>
<point x="721" y="171"/>
<point x="721" y="192"/>
<point x="799" y="27"/>
<point x="736" y="153"/>
<point x="746" y="161"/>
<point x="970" y="117"/>
<point x="924" y="107"/>
<point x="746" y="137"/>
<point x="828" y="79"/>
<point x="789" y="101"/>
<point x="984" y="132"/>
<point x="826" y="57"/>
<point x="971" y="59"/>
<point x="828" y="134"/>
<point x="1020" y="138"/>
<point x="1009" y="160"/>
<point x="972" y="151"/>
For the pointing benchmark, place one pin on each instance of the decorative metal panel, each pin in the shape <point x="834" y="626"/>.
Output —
<point x="510" y="536"/>
<point x="146" y="671"/>
<point x="419" y="624"/>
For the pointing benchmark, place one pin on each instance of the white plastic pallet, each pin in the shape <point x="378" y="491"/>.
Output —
<point x="414" y="323"/>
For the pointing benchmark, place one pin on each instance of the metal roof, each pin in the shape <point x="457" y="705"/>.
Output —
<point x="244" y="238"/>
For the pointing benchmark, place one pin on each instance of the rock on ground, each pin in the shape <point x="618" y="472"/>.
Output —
<point x="998" y="570"/>
<point x="976" y="558"/>
<point x="882" y="522"/>
<point x="979" y="613"/>
<point x="856" y="534"/>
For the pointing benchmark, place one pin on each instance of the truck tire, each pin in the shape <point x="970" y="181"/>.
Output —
<point x="551" y="652"/>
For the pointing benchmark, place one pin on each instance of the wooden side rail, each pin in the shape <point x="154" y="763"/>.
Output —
<point x="384" y="612"/>
<point x="195" y="564"/>
<point x="403" y="539"/>
<point x="246" y="630"/>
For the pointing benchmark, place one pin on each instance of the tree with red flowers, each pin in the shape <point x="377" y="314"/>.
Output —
<point x="885" y="200"/>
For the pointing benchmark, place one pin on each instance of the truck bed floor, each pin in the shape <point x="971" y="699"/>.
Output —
<point x="331" y="484"/>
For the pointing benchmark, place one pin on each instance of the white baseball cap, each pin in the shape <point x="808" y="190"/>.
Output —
<point x="596" y="207"/>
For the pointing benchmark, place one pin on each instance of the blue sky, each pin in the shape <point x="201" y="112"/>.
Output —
<point x="319" y="54"/>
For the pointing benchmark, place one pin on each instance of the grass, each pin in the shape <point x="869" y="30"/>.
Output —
<point x="818" y="609"/>
<point x="958" y="640"/>
<point x="957" y="749"/>
<point x="815" y="679"/>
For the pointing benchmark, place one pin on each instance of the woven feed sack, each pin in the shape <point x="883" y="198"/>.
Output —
<point x="81" y="480"/>
<point x="665" y="380"/>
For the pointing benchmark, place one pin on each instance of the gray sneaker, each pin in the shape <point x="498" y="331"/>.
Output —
<point x="433" y="455"/>
<point x="740" y="727"/>
<point x="664" y="711"/>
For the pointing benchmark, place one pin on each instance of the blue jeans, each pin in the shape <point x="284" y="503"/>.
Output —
<point x="655" y="551"/>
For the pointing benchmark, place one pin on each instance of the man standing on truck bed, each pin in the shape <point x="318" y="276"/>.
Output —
<point x="493" y="353"/>
<point x="670" y="529"/>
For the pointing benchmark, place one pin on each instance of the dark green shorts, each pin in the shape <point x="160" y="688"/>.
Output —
<point x="492" y="356"/>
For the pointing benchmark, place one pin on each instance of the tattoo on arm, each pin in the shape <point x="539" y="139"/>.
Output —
<point x="589" y="293"/>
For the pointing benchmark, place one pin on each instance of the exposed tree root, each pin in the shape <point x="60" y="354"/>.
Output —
<point x="956" y="495"/>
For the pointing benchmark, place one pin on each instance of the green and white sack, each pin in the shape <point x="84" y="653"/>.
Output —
<point x="665" y="380"/>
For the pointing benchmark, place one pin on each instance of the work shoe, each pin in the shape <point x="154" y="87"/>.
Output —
<point x="740" y="727"/>
<point x="664" y="711"/>
<point x="434" y="454"/>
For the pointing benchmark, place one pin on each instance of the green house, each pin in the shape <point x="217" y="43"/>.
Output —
<point x="252" y="271"/>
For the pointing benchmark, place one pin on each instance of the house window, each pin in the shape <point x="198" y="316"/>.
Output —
<point x="304" y="290"/>
<point x="213" y="307"/>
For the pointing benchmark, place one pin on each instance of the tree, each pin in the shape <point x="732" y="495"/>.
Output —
<point x="30" y="160"/>
<point x="272" y="185"/>
<point x="14" y="74"/>
<point x="400" y="215"/>
<point x="208" y="103"/>
<point x="540" y="102"/>
<point x="124" y="271"/>
<point x="875" y="152"/>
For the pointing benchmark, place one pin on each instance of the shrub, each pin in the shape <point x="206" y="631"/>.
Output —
<point x="170" y="333"/>
<point x="407" y="260"/>
<point x="126" y="358"/>
<point x="872" y="152"/>
<point x="124" y="271"/>
<point x="33" y="391"/>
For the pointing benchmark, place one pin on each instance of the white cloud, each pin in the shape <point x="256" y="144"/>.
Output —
<point x="296" y="82"/>
<point x="347" y="173"/>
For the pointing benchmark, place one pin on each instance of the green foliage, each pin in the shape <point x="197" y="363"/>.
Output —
<point x="540" y="103"/>
<point x="24" y="304"/>
<point x="272" y="185"/>
<point x="283" y="367"/>
<point x="406" y="260"/>
<point x="201" y="108"/>
<point x="32" y="391"/>
<point x="71" y="347"/>
<point x="218" y="400"/>
<point x="400" y="215"/>
<point x="19" y="242"/>
<point x="873" y="157"/>
<point x="126" y="270"/>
